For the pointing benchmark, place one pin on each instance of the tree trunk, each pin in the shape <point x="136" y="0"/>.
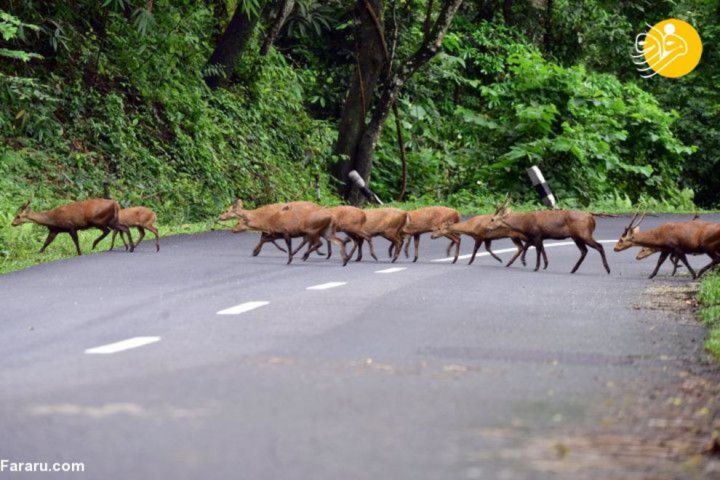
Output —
<point x="230" y="46"/>
<point x="548" y="25"/>
<point x="362" y="161"/>
<point x="370" y="58"/>
<point x="283" y="11"/>
<point x="507" y="12"/>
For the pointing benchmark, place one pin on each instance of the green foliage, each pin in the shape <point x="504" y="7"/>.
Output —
<point x="709" y="298"/>
<point x="139" y="118"/>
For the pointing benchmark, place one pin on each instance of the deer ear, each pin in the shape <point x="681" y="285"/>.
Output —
<point x="635" y="230"/>
<point x="238" y="203"/>
<point x="25" y="206"/>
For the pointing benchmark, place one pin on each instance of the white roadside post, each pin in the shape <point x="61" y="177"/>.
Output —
<point x="360" y="183"/>
<point x="541" y="186"/>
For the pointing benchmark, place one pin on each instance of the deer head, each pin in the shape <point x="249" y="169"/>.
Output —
<point x="501" y="214"/>
<point x="627" y="238"/>
<point x="232" y="211"/>
<point x="645" y="252"/>
<point x="22" y="215"/>
<point x="441" y="230"/>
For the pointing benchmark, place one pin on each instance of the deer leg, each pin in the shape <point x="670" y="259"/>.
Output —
<point x="51" y="236"/>
<point x="583" y="253"/>
<point x="74" y="236"/>
<point x="288" y="244"/>
<point x="454" y="240"/>
<point x="488" y="243"/>
<point x="520" y="251"/>
<point x="142" y="235"/>
<point x="663" y="256"/>
<point x="675" y="261"/>
<point x="538" y="251"/>
<point x="122" y="239"/>
<point x="122" y="228"/>
<point x="331" y="237"/>
<point x="313" y="246"/>
<point x="544" y="256"/>
<point x="524" y="252"/>
<point x="449" y="247"/>
<point x="476" y="247"/>
<point x="395" y="247"/>
<point x="709" y="266"/>
<point x="112" y="241"/>
<point x="359" y="247"/>
<point x="598" y="246"/>
<point x="372" y="248"/>
<point x="416" y="241"/>
<point x="304" y="242"/>
<point x="105" y="232"/>
<point x="684" y="260"/>
<point x="407" y="246"/>
<point x="157" y="239"/>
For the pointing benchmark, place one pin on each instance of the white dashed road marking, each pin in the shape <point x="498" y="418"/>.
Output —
<point x="116" y="347"/>
<point x="325" y="286"/>
<point x="242" y="308"/>
<point x="391" y="270"/>
<point x="507" y="250"/>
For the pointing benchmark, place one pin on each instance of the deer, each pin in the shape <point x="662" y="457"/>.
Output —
<point x="675" y="238"/>
<point x="350" y="221"/>
<point x="141" y="218"/>
<point x="99" y="213"/>
<point x="551" y="224"/>
<point x="425" y="220"/>
<point x="387" y="223"/>
<point x="265" y="237"/>
<point x="296" y="219"/>
<point x="477" y="228"/>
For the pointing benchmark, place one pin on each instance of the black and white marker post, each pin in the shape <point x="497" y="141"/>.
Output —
<point x="360" y="183"/>
<point x="538" y="181"/>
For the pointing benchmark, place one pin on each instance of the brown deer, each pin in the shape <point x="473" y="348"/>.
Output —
<point x="425" y="220"/>
<point x="387" y="223"/>
<point x="477" y="228"/>
<point x="552" y="224"/>
<point x="647" y="251"/>
<point x="675" y="238"/>
<point x="265" y="237"/>
<point x="141" y="218"/>
<point x="293" y="220"/>
<point x="350" y="221"/>
<point x="97" y="213"/>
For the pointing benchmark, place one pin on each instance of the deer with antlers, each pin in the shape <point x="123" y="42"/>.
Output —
<point x="677" y="239"/>
<point x="97" y="213"/>
<point x="551" y="224"/>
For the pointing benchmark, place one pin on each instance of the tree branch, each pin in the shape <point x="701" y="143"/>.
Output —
<point x="283" y="11"/>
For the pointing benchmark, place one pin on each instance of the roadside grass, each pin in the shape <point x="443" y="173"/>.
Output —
<point x="709" y="299"/>
<point x="21" y="249"/>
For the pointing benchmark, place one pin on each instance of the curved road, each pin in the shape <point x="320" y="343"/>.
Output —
<point x="372" y="374"/>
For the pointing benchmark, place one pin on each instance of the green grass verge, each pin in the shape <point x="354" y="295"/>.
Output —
<point x="709" y="299"/>
<point x="28" y="238"/>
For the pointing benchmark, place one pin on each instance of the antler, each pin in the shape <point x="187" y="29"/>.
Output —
<point x="632" y="222"/>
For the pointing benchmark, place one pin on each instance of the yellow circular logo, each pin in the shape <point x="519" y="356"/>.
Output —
<point x="671" y="48"/>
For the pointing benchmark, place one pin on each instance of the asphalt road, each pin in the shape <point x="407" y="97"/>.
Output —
<point x="395" y="375"/>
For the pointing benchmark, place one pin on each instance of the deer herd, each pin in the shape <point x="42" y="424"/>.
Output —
<point x="314" y="223"/>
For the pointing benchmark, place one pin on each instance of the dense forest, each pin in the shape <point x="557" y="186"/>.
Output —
<point x="185" y="105"/>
